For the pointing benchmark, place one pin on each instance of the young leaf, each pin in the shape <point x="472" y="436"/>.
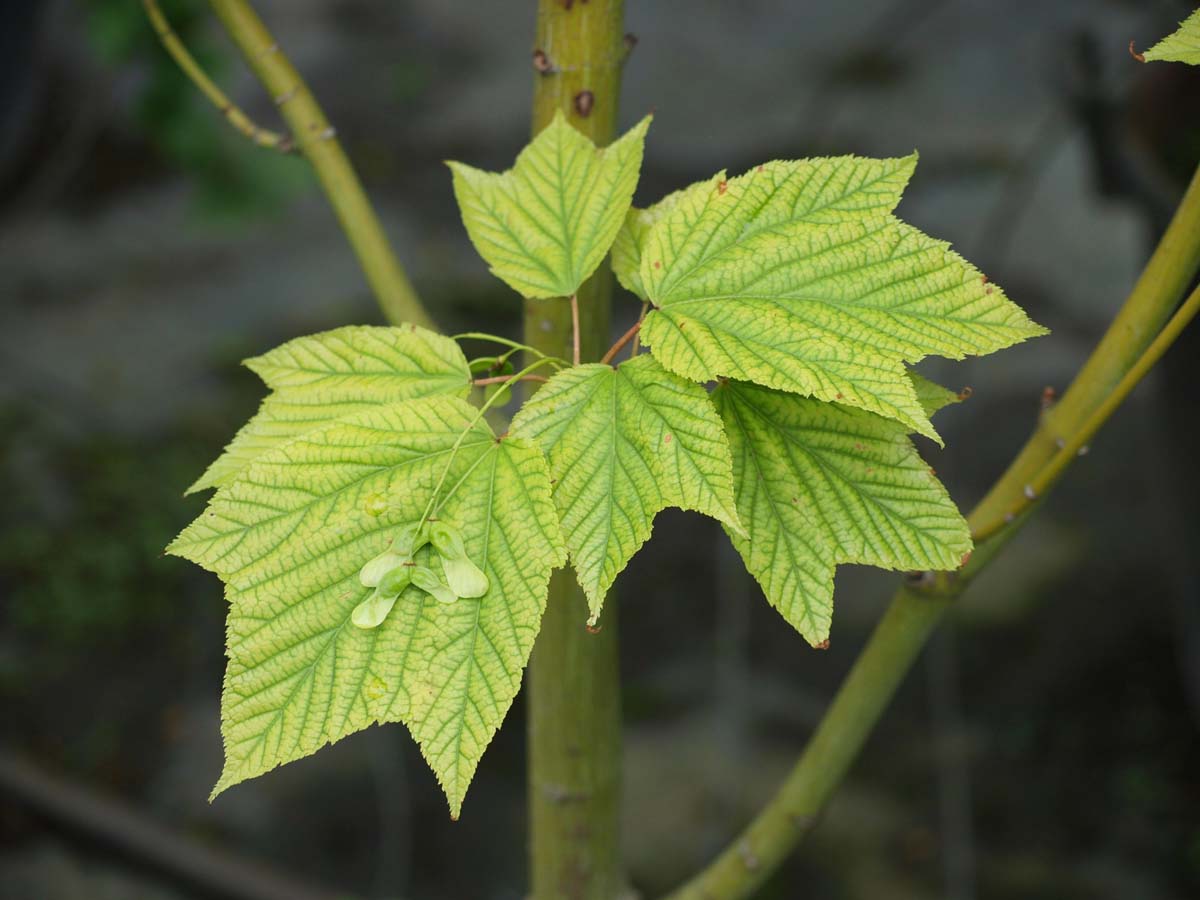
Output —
<point x="544" y="226"/>
<point x="1182" y="45"/>
<point x="820" y="484"/>
<point x="796" y="276"/>
<point x="623" y="444"/>
<point x="289" y="537"/>
<point x="323" y="377"/>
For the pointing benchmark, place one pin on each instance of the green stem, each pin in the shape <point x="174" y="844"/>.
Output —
<point x="317" y="141"/>
<point x="1134" y="341"/>
<point x="762" y="847"/>
<point x="496" y="339"/>
<point x="574" y="689"/>
<point x="1162" y="283"/>
<point x="1058" y="464"/>
<point x="233" y="114"/>
<point x="507" y="380"/>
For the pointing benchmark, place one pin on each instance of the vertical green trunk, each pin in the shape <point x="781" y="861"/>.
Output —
<point x="573" y="690"/>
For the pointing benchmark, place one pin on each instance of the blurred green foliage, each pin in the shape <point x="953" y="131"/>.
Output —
<point x="81" y="533"/>
<point x="233" y="179"/>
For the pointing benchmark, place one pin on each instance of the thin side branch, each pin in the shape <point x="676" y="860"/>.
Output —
<point x="621" y="342"/>
<point x="637" y="338"/>
<point x="501" y="379"/>
<point x="233" y="114"/>
<point x="146" y="841"/>
<point x="1077" y="444"/>
<point x="317" y="139"/>
<point x="575" y="329"/>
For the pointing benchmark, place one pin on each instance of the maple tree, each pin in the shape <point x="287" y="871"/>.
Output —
<point x="389" y="548"/>
<point x="794" y="286"/>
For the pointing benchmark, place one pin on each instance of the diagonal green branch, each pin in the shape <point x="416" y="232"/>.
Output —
<point x="1076" y="445"/>
<point x="317" y="140"/>
<point x="263" y="137"/>
<point x="1133" y="343"/>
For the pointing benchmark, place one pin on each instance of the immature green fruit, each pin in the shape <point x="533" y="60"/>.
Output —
<point x="503" y="390"/>
<point x="464" y="577"/>
<point x="447" y="540"/>
<point x="427" y="580"/>
<point x="372" y="611"/>
<point x="395" y="581"/>
<point x="411" y="539"/>
<point x="372" y="573"/>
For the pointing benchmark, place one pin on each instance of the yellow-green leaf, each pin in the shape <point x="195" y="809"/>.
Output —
<point x="820" y="484"/>
<point x="290" y="536"/>
<point x="1182" y="45"/>
<point x="545" y="225"/>
<point x="319" y="378"/>
<point x="797" y="276"/>
<point x="623" y="444"/>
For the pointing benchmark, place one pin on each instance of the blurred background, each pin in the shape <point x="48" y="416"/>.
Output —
<point x="1047" y="745"/>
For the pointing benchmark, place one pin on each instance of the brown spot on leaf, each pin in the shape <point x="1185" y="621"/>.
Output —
<point x="824" y="645"/>
<point x="722" y="186"/>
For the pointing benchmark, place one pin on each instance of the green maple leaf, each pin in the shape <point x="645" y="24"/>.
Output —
<point x="545" y="225"/>
<point x="1182" y="45"/>
<point x="289" y="535"/>
<point x="819" y="484"/>
<point x="323" y="377"/>
<point x="623" y="444"/>
<point x="797" y="276"/>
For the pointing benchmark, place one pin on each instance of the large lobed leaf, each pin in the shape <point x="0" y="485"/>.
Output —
<point x="323" y="377"/>
<point x="544" y="226"/>
<point x="288" y="538"/>
<point x="623" y="444"/>
<point x="797" y="276"/>
<point x="820" y="484"/>
<point x="1182" y="45"/>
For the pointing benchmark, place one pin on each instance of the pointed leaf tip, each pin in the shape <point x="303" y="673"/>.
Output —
<point x="1182" y="45"/>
